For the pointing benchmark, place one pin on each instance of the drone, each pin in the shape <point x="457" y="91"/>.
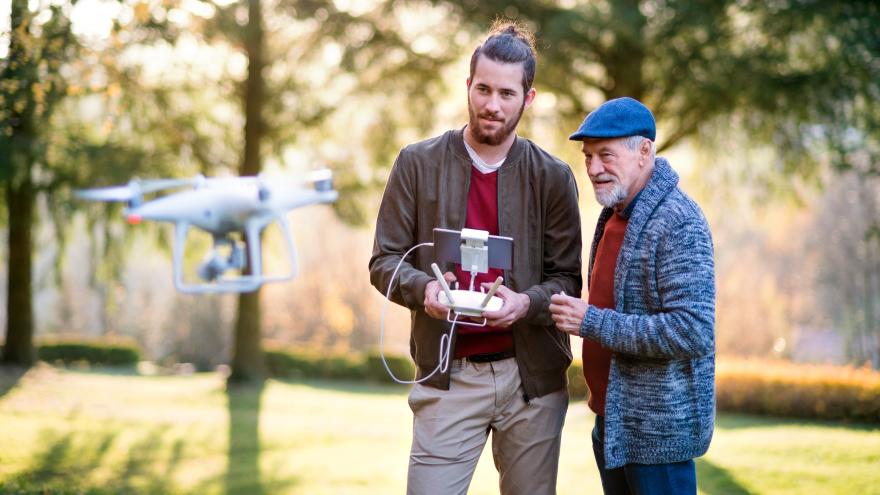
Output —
<point x="234" y="210"/>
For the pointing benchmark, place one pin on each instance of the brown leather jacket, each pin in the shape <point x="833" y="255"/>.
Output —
<point x="538" y="208"/>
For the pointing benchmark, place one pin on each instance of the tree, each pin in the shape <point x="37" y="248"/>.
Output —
<point x="47" y="148"/>
<point x="796" y="74"/>
<point x="31" y="88"/>
<point x="847" y="240"/>
<point x="279" y="111"/>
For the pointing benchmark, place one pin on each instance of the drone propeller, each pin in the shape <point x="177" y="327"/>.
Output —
<point x="133" y="190"/>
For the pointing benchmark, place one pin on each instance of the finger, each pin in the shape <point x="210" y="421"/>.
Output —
<point x="503" y="292"/>
<point x="449" y="277"/>
<point x="432" y="287"/>
<point x="559" y="299"/>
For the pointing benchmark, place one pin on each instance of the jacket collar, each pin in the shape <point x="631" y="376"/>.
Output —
<point x="513" y="155"/>
<point x="663" y="181"/>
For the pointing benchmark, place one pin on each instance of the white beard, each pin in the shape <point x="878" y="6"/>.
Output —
<point x="610" y="198"/>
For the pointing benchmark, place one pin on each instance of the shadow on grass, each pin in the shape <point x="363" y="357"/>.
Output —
<point x="715" y="480"/>
<point x="125" y="458"/>
<point x="83" y="463"/>
<point x="243" y="474"/>
<point x="9" y="377"/>
<point x="243" y="469"/>
<point x="736" y="421"/>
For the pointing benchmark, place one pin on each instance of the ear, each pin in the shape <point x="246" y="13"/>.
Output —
<point x="469" y="83"/>
<point x="530" y="97"/>
<point x="645" y="150"/>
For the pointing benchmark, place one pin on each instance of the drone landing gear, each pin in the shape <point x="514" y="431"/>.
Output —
<point x="216" y="262"/>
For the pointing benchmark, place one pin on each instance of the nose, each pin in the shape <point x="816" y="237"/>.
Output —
<point x="594" y="166"/>
<point x="493" y="103"/>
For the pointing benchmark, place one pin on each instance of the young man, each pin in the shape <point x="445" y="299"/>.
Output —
<point x="649" y="323"/>
<point x="507" y="378"/>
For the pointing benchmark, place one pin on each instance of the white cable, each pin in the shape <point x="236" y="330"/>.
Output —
<point x="445" y="339"/>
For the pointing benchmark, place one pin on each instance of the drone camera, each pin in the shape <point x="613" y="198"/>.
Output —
<point x="215" y="265"/>
<point x="263" y="193"/>
<point x="211" y="269"/>
<point x="324" y="185"/>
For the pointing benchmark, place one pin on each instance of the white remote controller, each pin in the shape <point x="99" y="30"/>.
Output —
<point x="467" y="302"/>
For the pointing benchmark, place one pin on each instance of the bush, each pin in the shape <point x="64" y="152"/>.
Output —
<point x="308" y="364"/>
<point x="798" y="391"/>
<point x="401" y="365"/>
<point x="577" y="385"/>
<point x="94" y="353"/>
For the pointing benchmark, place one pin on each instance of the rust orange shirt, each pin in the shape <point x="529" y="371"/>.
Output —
<point x="597" y="359"/>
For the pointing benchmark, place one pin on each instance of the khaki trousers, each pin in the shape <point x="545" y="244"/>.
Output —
<point x="450" y="429"/>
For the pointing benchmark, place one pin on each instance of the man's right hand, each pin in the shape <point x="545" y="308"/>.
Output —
<point x="433" y="307"/>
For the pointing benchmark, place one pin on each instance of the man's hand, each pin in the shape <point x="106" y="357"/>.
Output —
<point x="568" y="313"/>
<point x="432" y="304"/>
<point x="515" y="306"/>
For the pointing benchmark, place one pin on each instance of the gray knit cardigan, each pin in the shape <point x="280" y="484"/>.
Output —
<point x="660" y="405"/>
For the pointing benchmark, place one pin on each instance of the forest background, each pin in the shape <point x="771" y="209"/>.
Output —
<point x="768" y="110"/>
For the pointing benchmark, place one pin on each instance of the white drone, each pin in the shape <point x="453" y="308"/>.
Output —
<point x="222" y="206"/>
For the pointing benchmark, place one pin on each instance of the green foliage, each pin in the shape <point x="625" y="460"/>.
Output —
<point x="799" y="76"/>
<point x="307" y="364"/>
<point x="577" y="385"/>
<point x="402" y="367"/>
<point x="93" y="353"/>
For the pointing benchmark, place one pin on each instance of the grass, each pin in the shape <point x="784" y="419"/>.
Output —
<point x="66" y="432"/>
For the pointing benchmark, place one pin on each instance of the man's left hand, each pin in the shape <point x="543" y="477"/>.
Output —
<point x="515" y="306"/>
<point x="568" y="313"/>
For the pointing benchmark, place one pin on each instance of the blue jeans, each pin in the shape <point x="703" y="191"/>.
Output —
<point x="676" y="478"/>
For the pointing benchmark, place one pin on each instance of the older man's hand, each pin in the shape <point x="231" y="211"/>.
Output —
<point x="568" y="313"/>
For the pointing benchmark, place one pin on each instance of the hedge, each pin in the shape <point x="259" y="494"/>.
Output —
<point x="287" y="363"/>
<point x="777" y="388"/>
<point x="769" y="388"/>
<point x="756" y="387"/>
<point x="94" y="353"/>
<point x="312" y="364"/>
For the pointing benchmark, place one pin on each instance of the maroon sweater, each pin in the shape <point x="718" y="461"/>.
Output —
<point x="597" y="359"/>
<point x="482" y="214"/>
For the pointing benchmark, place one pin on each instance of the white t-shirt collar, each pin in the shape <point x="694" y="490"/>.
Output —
<point x="480" y="164"/>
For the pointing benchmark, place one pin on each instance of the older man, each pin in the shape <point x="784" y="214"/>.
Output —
<point x="648" y="324"/>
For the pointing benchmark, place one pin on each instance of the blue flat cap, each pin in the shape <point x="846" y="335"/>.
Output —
<point x="620" y="117"/>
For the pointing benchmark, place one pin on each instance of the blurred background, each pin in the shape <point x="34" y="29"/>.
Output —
<point x="770" y="112"/>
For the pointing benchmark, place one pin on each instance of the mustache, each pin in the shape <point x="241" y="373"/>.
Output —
<point x="602" y="177"/>
<point x="490" y="116"/>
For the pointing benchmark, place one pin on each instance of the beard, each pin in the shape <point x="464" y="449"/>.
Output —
<point x="612" y="197"/>
<point x="497" y="137"/>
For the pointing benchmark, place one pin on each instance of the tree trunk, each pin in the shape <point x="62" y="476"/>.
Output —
<point x="627" y="79"/>
<point x="247" y="358"/>
<point x="19" y="347"/>
<point x="19" y="190"/>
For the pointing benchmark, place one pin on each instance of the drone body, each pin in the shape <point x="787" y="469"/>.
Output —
<point x="222" y="207"/>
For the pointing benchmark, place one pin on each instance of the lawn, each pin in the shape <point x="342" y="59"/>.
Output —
<point x="102" y="433"/>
